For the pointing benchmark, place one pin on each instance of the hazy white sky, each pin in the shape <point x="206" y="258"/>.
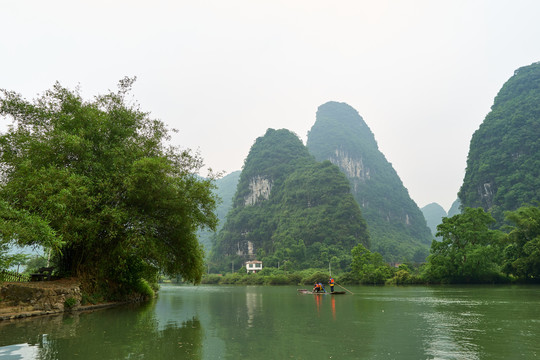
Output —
<point x="422" y="74"/>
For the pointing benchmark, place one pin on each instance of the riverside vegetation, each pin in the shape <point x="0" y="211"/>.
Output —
<point x="94" y="183"/>
<point x="470" y="251"/>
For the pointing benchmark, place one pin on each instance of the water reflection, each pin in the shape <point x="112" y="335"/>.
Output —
<point x="267" y="323"/>
<point x="18" y="351"/>
<point x="119" y="333"/>
<point x="253" y="302"/>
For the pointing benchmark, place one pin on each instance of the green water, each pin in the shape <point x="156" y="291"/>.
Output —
<point x="229" y="322"/>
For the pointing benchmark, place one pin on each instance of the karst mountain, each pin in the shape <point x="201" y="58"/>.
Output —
<point x="396" y="225"/>
<point x="289" y="209"/>
<point x="503" y="165"/>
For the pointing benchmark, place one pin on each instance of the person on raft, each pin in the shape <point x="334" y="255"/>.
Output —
<point x="318" y="288"/>
<point x="331" y="282"/>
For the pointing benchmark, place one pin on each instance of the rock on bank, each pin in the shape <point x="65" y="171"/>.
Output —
<point x="24" y="299"/>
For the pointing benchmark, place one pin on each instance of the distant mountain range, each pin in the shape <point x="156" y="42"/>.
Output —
<point x="286" y="199"/>
<point x="225" y="189"/>
<point x="433" y="213"/>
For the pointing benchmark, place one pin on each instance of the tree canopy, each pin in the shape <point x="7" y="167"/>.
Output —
<point x="96" y="182"/>
<point x="469" y="250"/>
<point x="522" y="253"/>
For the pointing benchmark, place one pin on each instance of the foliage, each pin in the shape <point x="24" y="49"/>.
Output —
<point x="317" y="277"/>
<point x="522" y="253"/>
<point x="405" y="276"/>
<point x="368" y="267"/>
<point x="18" y="260"/>
<point x="469" y="250"/>
<point x="308" y="218"/>
<point x="503" y="164"/>
<point x="93" y="298"/>
<point x="94" y="181"/>
<point x="3" y="255"/>
<point x="34" y="263"/>
<point x="19" y="226"/>
<point x="396" y="225"/>
<point x="144" y="288"/>
<point x="70" y="302"/>
<point x="269" y="276"/>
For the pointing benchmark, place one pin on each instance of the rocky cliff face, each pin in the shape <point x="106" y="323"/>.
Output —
<point x="259" y="190"/>
<point x="354" y="168"/>
<point x="397" y="227"/>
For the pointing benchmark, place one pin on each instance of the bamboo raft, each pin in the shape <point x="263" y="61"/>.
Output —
<point x="309" y="292"/>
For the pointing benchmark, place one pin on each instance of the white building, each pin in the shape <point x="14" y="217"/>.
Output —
<point x="253" y="266"/>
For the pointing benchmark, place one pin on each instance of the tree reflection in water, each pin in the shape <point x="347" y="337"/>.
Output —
<point x="107" y="334"/>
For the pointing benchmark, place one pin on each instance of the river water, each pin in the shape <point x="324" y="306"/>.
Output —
<point x="257" y="322"/>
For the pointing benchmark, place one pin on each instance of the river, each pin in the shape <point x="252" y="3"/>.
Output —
<point x="263" y="322"/>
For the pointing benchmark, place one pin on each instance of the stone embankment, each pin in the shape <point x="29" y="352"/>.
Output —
<point x="25" y="299"/>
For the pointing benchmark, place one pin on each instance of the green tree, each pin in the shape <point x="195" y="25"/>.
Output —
<point x="34" y="263"/>
<point x="522" y="254"/>
<point x="18" y="260"/>
<point x="469" y="250"/>
<point x="369" y="267"/>
<point x="116" y="202"/>
<point x="20" y="227"/>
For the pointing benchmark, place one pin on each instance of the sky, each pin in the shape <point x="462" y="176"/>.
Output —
<point x="422" y="74"/>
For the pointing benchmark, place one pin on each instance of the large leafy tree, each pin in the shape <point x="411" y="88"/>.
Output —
<point x="522" y="254"/>
<point x="369" y="267"/>
<point x="96" y="182"/>
<point x="469" y="250"/>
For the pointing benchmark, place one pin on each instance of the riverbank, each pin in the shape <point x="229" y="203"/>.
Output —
<point x="28" y="299"/>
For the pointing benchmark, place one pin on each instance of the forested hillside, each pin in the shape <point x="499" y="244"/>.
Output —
<point x="289" y="209"/>
<point x="503" y="165"/>
<point x="433" y="213"/>
<point x="225" y="188"/>
<point x="397" y="227"/>
<point x="455" y="208"/>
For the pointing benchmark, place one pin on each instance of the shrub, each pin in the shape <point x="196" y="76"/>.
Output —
<point x="277" y="280"/>
<point x="144" y="288"/>
<point x="317" y="277"/>
<point x="70" y="302"/>
<point x="211" y="279"/>
<point x="294" y="278"/>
